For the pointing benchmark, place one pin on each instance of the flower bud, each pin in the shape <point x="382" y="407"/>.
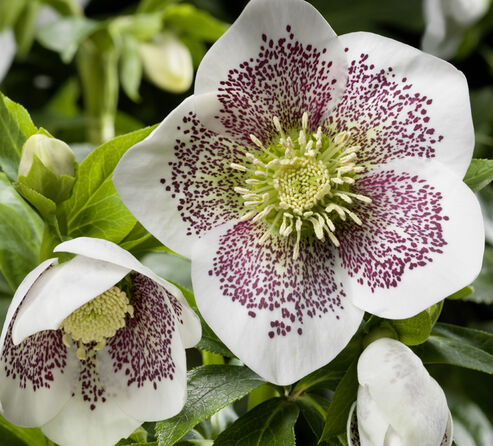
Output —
<point x="168" y="63"/>
<point x="398" y="402"/>
<point x="47" y="167"/>
<point x="55" y="155"/>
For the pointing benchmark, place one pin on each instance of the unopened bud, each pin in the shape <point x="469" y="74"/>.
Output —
<point x="55" y="155"/>
<point x="168" y="63"/>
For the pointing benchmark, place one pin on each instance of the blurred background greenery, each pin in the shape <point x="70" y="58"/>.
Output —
<point x="71" y="84"/>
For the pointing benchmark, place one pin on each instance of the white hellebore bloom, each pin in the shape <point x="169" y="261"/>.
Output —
<point x="168" y="62"/>
<point x="311" y="178"/>
<point x="446" y="21"/>
<point x="399" y="403"/>
<point x="93" y="347"/>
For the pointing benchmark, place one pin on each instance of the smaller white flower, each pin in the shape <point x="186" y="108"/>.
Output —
<point x="446" y="20"/>
<point x="399" y="403"/>
<point x="168" y="63"/>
<point x="93" y="347"/>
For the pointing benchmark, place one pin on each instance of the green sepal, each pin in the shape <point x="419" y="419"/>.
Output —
<point x="47" y="183"/>
<point x="479" y="174"/>
<point x="414" y="330"/>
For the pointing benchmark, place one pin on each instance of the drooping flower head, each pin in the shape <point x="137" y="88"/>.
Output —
<point x="93" y="347"/>
<point x="398" y="403"/>
<point x="311" y="177"/>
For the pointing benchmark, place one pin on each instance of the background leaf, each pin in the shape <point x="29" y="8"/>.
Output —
<point x="479" y="174"/>
<point x="269" y="424"/>
<point x="95" y="208"/>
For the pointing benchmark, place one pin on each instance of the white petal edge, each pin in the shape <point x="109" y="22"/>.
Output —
<point x="60" y="291"/>
<point x="146" y="403"/>
<point x="20" y="293"/>
<point x="407" y="396"/>
<point x="137" y="180"/>
<point x="449" y="272"/>
<point x="77" y="425"/>
<point x="241" y="42"/>
<point x="28" y="408"/>
<point x="281" y="360"/>
<point x="450" y="112"/>
<point x="104" y="251"/>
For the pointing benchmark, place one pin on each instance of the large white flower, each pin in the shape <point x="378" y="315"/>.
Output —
<point x="399" y="403"/>
<point x="446" y="21"/>
<point x="94" y="346"/>
<point x="310" y="178"/>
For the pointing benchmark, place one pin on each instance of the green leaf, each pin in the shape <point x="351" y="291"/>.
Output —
<point x="95" y="209"/>
<point x="138" y="26"/>
<point x="20" y="235"/>
<point x="459" y="346"/>
<point x="479" y="174"/>
<point x="193" y="21"/>
<point x="471" y="425"/>
<point x="344" y="396"/>
<point x="11" y="435"/>
<point x="314" y="409"/>
<point x="461" y="294"/>
<point x="25" y="28"/>
<point x="15" y="127"/>
<point x="210" y="388"/>
<point x="329" y="376"/>
<point x="65" y="35"/>
<point x="270" y="424"/>
<point x="138" y="240"/>
<point x="130" y="67"/>
<point x="414" y="330"/>
<point x="153" y="5"/>
<point x="10" y="12"/>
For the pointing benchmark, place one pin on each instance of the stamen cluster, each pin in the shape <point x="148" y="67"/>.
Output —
<point x="96" y="321"/>
<point x="300" y="183"/>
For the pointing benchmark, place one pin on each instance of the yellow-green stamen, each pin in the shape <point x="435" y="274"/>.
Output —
<point x="97" y="320"/>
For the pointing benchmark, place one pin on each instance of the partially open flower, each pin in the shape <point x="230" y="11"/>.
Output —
<point x="311" y="178"/>
<point x="93" y="347"/>
<point x="399" y="403"/>
<point x="168" y="63"/>
<point x="56" y="155"/>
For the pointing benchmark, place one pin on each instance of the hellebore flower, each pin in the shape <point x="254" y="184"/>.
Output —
<point x="311" y="177"/>
<point x="399" y="403"/>
<point x="446" y="21"/>
<point x="94" y="346"/>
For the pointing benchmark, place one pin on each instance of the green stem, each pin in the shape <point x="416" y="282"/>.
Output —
<point x="260" y="394"/>
<point x="98" y="69"/>
<point x="211" y="358"/>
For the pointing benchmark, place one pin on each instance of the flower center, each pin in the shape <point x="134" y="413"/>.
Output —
<point x="301" y="183"/>
<point x="96" y="320"/>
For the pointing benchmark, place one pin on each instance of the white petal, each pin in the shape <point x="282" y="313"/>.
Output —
<point x="421" y="240"/>
<point x="20" y="293"/>
<point x="104" y="251"/>
<point x="401" y="102"/>
<point x="282" y="317"/>
<point x="78" y="425"/>
<point x="7" y="53"/>
<point x="61" y="290"/>
<point x="407" y="396"/>
<point x="143" y="366"/>
<point x="279" y="58"/>
<point x="36" y="378"/>
<point x="372" y="424"/>
<point x="178" y="181"/>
